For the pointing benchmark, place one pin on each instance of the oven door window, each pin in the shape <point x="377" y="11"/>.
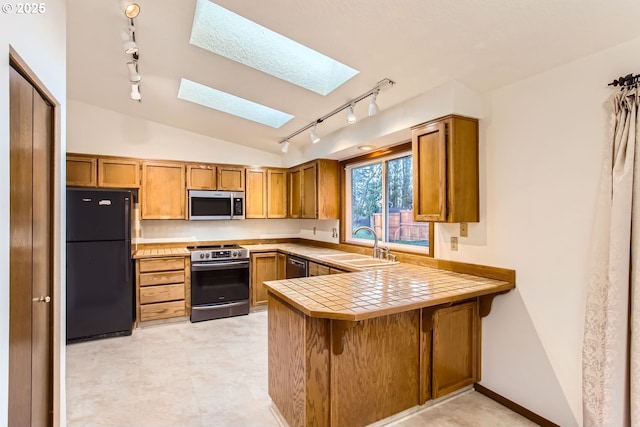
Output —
<point x="219" y="282"/>
<point x="210" y="206"/>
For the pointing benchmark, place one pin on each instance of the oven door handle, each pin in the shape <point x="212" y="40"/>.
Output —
<point x="219" y="265"/>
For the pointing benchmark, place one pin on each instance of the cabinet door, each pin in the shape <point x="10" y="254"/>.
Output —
<point x="316" y="269"/>
<point x="264" y="267"/>
<point x="429" y="173"/>
<point x="230" y="178"/>
<point x="81" y="171"/>
<point x="256" y="194"/>
<point x="118" y="173"/>
<point x="328" y="189"/>
<point x="455" y="348"/>
<point x="163" y="190"/>
<point x="201" y="177"/>
<point x="309" y="191"/>
<point x="276" y="193"/>
<point x="282" y="266"/>
<point x="295" y="193"/>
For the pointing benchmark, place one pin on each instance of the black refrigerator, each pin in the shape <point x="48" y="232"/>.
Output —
<point x="99" y="265"/>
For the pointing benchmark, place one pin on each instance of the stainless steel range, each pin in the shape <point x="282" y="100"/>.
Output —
<point x="219" y="282"/>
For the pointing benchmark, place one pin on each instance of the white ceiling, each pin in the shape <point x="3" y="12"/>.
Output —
<point x="420" y="44"/>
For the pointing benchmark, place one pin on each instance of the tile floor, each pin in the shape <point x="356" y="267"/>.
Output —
<point x="209" y="374"/>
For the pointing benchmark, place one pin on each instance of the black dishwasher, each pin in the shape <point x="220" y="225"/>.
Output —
<point x="296" y="267"/>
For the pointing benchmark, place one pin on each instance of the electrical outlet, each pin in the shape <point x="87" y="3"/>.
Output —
<point x="454" y="243"/>
<point x="314" y="231"/>
<point x="335" y="232"/>
<point x="464" y="229"/>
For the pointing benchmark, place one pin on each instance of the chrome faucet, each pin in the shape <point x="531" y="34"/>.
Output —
<point x="375" y="237"/>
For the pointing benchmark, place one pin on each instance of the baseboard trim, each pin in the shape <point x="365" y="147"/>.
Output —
<point x="531" y="416"/>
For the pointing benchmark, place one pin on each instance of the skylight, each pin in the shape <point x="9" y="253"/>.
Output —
<point x="225" y="33"/>
<point x="227" y="103"/>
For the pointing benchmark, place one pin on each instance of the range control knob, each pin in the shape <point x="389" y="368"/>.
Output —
<point x="234" y="254"/>
<point x="201" y="256"/>
<point x="207" y="255"/>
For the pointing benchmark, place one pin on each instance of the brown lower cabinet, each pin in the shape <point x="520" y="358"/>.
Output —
<point x="331" y="372"/>
<point x="162" y="288"/>
<point x="264" y="267"/>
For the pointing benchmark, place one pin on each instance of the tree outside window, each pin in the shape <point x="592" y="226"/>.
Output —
<point x="380" y="193"/>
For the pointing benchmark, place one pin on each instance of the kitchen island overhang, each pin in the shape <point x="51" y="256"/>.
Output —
<point x="352" y="349"/>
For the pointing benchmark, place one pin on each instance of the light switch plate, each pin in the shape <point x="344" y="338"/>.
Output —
<point x="464" y="229"/>
<point x="454" y="243"/>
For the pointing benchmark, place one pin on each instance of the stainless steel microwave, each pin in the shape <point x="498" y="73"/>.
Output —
<point x="215" y="205"/>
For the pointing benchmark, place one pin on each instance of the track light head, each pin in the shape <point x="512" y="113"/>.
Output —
<point x="314" y="137"/>
<point x="373" y="107"/>
<point x="131" y="10"/>
<point x="133" y="72"/>
<point x="135" y="92"/>
<point x="285" y="146"/>
<point x="351" y="116"/>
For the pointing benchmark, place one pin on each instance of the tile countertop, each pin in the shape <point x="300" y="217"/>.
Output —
<point x="374" y="292"/>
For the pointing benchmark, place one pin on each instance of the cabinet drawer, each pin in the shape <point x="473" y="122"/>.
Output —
<point x="162" y="310"/>
<point x="161" y="264"/>
<point x="161" y="278"/>
<point x="151" y="294"/>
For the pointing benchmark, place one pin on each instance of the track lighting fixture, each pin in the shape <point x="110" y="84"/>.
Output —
<point x="129" y="38"/>
<point x="131" y="10"/>
<point x="314" y="137"/>
<point x="351" y="117"/>
<point x="373" y="107"/>
<point x="135" y="92"/>
<point x="285" y="146"/>
<point x="133" y="72"/>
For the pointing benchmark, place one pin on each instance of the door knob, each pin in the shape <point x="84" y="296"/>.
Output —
<point x="42" y="299"/>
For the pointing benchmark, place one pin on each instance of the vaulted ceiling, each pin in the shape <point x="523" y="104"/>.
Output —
<point x="420" y="44"/>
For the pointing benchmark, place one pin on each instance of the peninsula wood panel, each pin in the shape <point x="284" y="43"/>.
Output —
<point x="455" y="348"/>
<point x="118" y="173"/>
<point x="230" y="178"/>
<point x="276" y="193"/>
<point x="286" y="359"/>
<point x="264" y="267"/>
<point x="256" y="194"/>
<point x="81" y="171"/>
<point x="201" y="177"/>
<point x="317" y="369"/>
<point x="163" y="190"/>
<point x="375" y="351"/>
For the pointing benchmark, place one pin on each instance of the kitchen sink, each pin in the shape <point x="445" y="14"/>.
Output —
<point x="369" y="262"/>
<point x="345" y="257"/>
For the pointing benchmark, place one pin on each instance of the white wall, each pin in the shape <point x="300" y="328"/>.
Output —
<point x="96" y="130"/>
<point x="543" y="143"/>
<point x="40" y="40"/>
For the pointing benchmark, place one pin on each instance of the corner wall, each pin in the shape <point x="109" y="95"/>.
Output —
<point x="40" y="40"/>
<point x="542" y="144"/>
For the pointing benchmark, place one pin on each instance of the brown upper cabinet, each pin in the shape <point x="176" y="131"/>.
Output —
<point x="256" y="195"/>
<point x="266" y="193"/>
<point x="201" y="177"/>
<point x="163" y="193"/>
<point x="230" y="178"/>
<point x="82" y="171"/>
<point x="445" y="170"/>
<point x="314" y="190"/>
<point x="105" y="172"/>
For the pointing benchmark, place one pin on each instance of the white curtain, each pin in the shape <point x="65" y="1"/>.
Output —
<point x="611" y="353"/>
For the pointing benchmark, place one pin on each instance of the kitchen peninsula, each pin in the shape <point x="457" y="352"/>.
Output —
<point x="352" y="349"/>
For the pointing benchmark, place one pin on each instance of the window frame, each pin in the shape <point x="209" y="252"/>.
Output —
<point x="378" y="156"/>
